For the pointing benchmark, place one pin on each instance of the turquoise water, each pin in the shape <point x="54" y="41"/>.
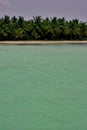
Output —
<point x="43" y="87"/>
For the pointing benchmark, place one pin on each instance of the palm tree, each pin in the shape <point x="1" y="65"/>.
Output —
<point x="21" y="22"/>
<point x="6" y="19"/>
<point x="83" y="28"/>
<point x="66" y="31"/>
<point x="18" y="34"/>
<point x="37" y="24"/>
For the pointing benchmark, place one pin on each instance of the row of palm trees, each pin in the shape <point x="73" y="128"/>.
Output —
<point x="38" y="28"/>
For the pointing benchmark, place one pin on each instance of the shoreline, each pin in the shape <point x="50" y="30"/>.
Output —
<point x="41" y="42"/>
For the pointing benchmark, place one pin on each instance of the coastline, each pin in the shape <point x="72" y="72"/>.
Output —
<point x="41" y="42"/>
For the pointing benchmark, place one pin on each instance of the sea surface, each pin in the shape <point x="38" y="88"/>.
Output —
<point x="43" y="87"/>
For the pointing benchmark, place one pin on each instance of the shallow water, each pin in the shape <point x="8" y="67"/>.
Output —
<point x="43" y="87"/>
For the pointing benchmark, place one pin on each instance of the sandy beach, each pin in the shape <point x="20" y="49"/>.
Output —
<point x="41" y="42"/>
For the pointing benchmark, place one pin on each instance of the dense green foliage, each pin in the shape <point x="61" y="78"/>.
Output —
<point x="38" y="28"/>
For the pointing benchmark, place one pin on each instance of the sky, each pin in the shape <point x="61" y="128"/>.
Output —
<point x="69" y="9"/>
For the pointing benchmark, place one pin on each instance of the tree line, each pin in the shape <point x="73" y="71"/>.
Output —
<point x="37" y="28"/>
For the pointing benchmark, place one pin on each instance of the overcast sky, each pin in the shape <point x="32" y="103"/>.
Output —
<point x="46" y="8"/>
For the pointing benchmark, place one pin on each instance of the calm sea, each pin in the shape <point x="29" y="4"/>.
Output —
<point x="43" y="87"/>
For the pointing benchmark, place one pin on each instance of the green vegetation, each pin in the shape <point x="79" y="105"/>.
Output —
<point x="38" y="28"/>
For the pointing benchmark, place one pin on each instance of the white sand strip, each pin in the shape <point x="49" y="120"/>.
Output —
<point x="42" y="42"/>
